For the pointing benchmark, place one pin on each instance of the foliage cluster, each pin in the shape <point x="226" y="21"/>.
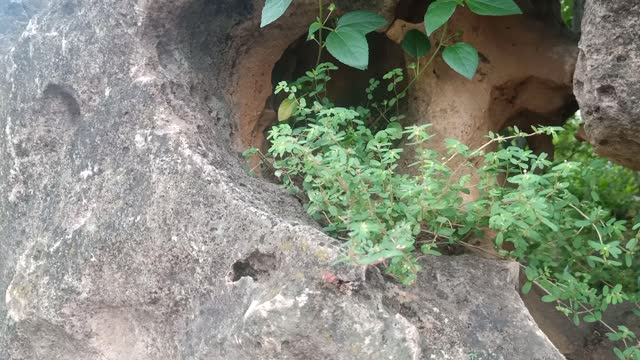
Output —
<point x="566" y="12"/>
<point x="556" y="218"/>
<point x="347" y="42"/>
<point x="611" y="186"/>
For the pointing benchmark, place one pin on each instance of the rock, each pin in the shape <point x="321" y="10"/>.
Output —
<point x="14" y="16"/>
<point x="607" y="82"/>
<point x="129" y="230"/>
<point x="510" y="87"/>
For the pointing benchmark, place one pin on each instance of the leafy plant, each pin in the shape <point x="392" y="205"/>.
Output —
<point x="462" y="58"/>
<point x="348" y="44"/>
<point x="566" y="11"/>
<point x="553" y="217"/>
<point x="602" y="182"/>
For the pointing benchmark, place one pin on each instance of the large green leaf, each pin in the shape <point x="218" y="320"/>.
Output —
<point x="272" y="10"/>
<point x="494" y="7"/>
<point x="438" y="14"/>
<point x="463" y="58"/>
<point x="362" y="21"/>
<point x="350" y="47"/>
<point x="416" y="43"/>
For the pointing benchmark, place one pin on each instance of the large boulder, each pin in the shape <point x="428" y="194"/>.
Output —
<point x="128" y="229"/>
<point x="607" y="81"/>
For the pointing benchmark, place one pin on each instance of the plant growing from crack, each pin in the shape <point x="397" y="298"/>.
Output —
<point x="344" y="164"/>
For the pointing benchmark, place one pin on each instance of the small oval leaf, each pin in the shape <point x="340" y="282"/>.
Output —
<point x="349" y="47"/>
<point x="462" y="58"/>
<point x="272" y="10"/>
<point x="286" y="109"/>
<point x="362" y="21"/>
<point x="313" y="28"/>
<point x="416" y="44"/>
<point x="438" y="14"/>
<point x="494" y="7"/>
<point x="373" y="258"/>
<point x="589" y="319"/>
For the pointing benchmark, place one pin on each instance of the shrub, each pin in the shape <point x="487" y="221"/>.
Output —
<point x="609" y="185"/>
<point x="554" y="217"/>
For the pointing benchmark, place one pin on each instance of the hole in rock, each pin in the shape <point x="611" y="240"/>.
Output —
<point x="532" y="102"/>
<point x="346" y="88"/>
<point x="606" y="90"/>
<point x="257" y="265"/>
<point x="412" y="10"/>
<point x="526" y="120"/>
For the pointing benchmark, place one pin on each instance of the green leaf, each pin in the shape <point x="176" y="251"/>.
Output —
<point x="438" y="14"/>
<point x="549" y="298"/>
<point x="286" y="109"/>
<point x="582" y="223"/>
<point x="590" y="319"/>
<point x="494" y="7"/>
<point x="595" y="259"/>
<point x="272" y="10"/>
<point x="618" y="353"/>
<point x="313" y="28"/>
<point x="526" y="288"/>
<point x="596" y="245"/>
<point x="361" y="21"/>
<point x="631" y="244"/>
<point x="614" y="336"/>
<point x="249" y="152"/>
<point x="430" y="251"/>
<point x="379" y="256"/>
<point x="416" y="43"/>
<point x="531" y="273"/>
<point x="551" y="225"/>
<point x="576" y="320"/>
<point x="349" y="47"/>
<point x="462" y="58"/>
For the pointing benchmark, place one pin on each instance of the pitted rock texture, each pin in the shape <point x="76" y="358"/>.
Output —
<point x="524" y="78"/>
<point x="607" y="80"/>
<point x="128" y="229"/>
<point x="14" y="17"/>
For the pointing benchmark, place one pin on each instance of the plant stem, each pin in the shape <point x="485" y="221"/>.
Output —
<point x="426" y="66"/>
<point x="320" y="42"/>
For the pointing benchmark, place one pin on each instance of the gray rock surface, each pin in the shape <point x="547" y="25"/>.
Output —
<point x="14" y="16"/>
<point x="128" y="229"/>
<point x="607" y="80"/>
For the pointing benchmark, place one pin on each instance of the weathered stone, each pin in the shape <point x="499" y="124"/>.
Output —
<point x="607" y="81"/>
<point x="128" y="229"/>
<point x="14" y="16"/>
<point x="524" y="78"/>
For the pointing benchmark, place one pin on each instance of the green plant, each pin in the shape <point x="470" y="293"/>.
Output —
<point x="344" y="164"/>
<point x="347" y="42"/>
<point x="609" y="185"/>
<point x="566" y="11"/>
